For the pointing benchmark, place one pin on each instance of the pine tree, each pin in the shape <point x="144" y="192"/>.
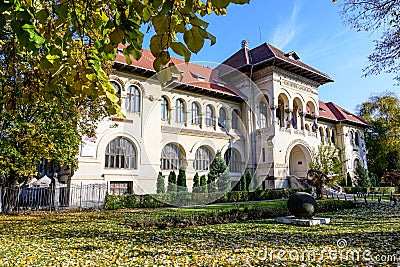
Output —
<point x="375" y="181"/>
<point x="243" y="184"/>
<point x="196" y="183"/>
<point x="349" y="182"/>
<point x="181" y="182"/>
<point x="248" y="179"/>
<point x="218" y="177"/>
<point x="361" y="176"/>
<point x="203" y="184"/>
<point x="172" y="182"/>
<point x="211" y="184"/>
<point x="160" y="183"/>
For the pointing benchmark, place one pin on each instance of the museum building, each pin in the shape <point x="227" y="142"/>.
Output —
<point x="259" y="107"/>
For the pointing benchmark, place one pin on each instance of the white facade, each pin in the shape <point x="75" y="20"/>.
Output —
<point x="280" y="120"/>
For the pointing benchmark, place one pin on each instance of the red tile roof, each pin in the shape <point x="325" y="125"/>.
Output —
<point x="268" y="54"/>
<point x="192" y="74"/>
<point x="206" y="78"/>
<point x="336" y="113"/>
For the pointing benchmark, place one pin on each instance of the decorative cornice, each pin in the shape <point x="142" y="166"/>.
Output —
<point x="297" y="78"/>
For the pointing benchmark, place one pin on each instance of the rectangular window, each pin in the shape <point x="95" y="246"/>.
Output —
<point x="120" y="188"/>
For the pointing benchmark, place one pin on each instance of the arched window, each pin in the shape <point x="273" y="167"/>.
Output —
<point x="333" y="137"/>
<point x="203" y="159"/>
<point x="351" y="137"/>
<point x="117" y="87"/>
<point x="210" y="116"/>
<point x="232" y="159"/>
<point x="120" y="154"/>
<point x="180" y="111"/>
<point x="164" y="108"/>
<point x="133" y="99"/>
<point x="171" y="157"/>
<point x="196" y="118"/>
<point x="235" y="119"/>
<point x="222" y="118"/>
<point x="327" y="135"/>
<point x="356" y="139"/>
<point x="263" y="114"/>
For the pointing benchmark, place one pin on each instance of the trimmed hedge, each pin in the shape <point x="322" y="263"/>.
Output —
<point x="366" y="190"/>
<point x="114" y="202"/>
<point x="234" y="215"/>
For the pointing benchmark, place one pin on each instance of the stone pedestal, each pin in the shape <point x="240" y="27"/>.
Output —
<point x="303" y="222"/>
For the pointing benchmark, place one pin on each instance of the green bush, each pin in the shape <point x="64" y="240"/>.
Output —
<point x="335" y="205"/>
<point x="366" y="190"/>
<point x="233" y="215"/>
<point x="188" y="199"/>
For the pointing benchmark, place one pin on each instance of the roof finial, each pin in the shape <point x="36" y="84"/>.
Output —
<point x="245" y="44"/>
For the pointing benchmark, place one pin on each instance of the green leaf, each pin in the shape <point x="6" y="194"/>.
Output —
<point x="180" y="27"/>
<point x="212" y="38"/>
<point x="198" y="22"/>
<point x="42" y="15"/>
<point x="164" y="76"/>
<point x="137" y="54"/>
<point x="62" y="10"/>
<point x="157" y="65"/>
<point x="45" y="64"/>
<point x="194" y="39"/>
<point x="221" y="3"/>
<point x="147" y="13"/>
<point x="117" y="36"/>
<point x="160" y="23"/>
<point x="181" y="50"/>
<point x="127" y="57"/>
<point x="157" y="3"/>
<point x="164" y="57"/>
<point x="174" y="69"/>
<point x="52" y="58"/>
<point x="158" y="43"/>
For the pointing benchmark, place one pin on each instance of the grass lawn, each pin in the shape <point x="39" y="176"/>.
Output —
<point x="368" y="236"/>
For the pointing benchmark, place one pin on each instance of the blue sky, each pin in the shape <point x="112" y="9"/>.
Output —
<point x="312" y="28"/>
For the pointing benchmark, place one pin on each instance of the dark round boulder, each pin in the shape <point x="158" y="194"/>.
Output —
<point x="302" y="205"/>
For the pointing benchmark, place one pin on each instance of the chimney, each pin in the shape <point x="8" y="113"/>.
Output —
<point x="245" y="44"/>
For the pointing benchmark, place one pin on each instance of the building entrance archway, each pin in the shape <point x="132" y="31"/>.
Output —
<point x="298" y="161"/>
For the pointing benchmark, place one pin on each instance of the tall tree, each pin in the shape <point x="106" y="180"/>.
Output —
<point x="361" y="176"/>
<point x="181" y="181"/>
<point x="172" y="182"/>
<point x="243" y="183"/>
<point x="37" y="119"/>
<point x="325" y="167"/>
<point x="218" y="177"/>
<point x="248" y="179"/>
<point x="56" y="56"/>
<point x="203" y="184"/>
<point x="160" y="183"/>
<point x="377" y="16"/>
<point x="196" y="183"/>
<point x="382" y="112"/>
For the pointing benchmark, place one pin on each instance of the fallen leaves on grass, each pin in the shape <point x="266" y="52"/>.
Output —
<point x="102" y="239"/>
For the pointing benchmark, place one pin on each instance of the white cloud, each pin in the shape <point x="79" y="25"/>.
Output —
<point x="287" y="30"/>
